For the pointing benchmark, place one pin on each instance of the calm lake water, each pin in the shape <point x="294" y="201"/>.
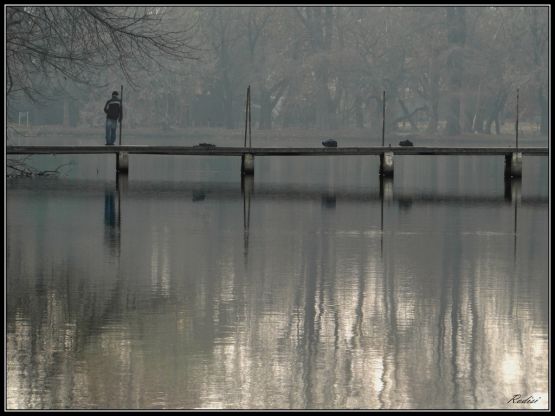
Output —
<point x="314" y="285"/>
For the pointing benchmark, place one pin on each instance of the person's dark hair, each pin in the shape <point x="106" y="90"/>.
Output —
<point x="115" y="93"/>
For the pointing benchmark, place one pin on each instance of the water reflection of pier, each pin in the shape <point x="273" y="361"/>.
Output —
<point x="385" y="195"/>
<point x="228" y="191"/>
<point x="247" y="189"/>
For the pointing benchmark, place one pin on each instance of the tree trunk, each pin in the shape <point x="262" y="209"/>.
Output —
<point x="66" y="113"/>
<point x="227" y="103"/>
<point x="434" y="93"/>
<point x="375" y="111"/>
<point x="265" y="109"/>
<point x="544" y="113"/>
<point x="456" y="35"/>
<point x="478" y="123"/>
<point x="493" y="116"/>
<point x="489" y="122"/>
<point x="359" y="119"/>
<point x="408" y="115"/>
<point x="468" y="116"/>
<point x="319" y="22"/>
<point x="323" y="116"/>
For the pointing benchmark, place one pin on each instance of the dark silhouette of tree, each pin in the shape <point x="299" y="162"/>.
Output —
<point x="456" y="36"/>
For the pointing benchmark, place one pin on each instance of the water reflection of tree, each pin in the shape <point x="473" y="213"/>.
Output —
<point x="318" y="327"/>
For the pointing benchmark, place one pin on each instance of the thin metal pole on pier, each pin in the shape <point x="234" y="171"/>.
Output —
<point x="250" y="130"/>
<point x="383" y="119"/>
<point x="121" y="113"/>
<point x="247" y="105"/>
<point x="516" y="124"/>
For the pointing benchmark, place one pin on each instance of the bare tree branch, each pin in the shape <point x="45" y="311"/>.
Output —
<point x="78" y="42"/>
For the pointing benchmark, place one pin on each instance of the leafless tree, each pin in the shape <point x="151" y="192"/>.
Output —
<point x="77" y="42"/>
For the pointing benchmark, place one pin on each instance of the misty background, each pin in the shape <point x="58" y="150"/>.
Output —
<point x="444" y="70"/>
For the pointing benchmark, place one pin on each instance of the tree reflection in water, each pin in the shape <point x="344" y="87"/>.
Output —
<point x="369" y="303"/>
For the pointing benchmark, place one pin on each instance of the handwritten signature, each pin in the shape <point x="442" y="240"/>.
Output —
<point x="517" y="398"/>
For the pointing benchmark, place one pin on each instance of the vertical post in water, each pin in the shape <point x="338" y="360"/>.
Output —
<point x="516" y="124"/>
<point x="383" y="119"/>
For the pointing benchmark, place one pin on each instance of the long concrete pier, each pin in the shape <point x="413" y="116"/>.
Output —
<point x="276" y="151"/>
<point x="513" y="156"/>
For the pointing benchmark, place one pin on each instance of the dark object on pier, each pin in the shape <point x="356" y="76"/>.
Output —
<point x="405" y="143"/>
<point x="205" y="145"/>
<point x="330" y="143"/>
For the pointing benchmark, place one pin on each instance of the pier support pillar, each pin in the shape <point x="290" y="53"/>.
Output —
<point x="513" y="165"/>
<point x="122" y="162"/>
<point x="386" y="164"/>
<point x="247" y="164"/>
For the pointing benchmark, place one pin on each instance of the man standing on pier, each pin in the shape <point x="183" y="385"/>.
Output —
<point x="114" y="112"/>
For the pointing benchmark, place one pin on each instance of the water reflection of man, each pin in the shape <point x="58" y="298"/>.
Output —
<point x="109" y="209"/>
<point x="111" y="222"/>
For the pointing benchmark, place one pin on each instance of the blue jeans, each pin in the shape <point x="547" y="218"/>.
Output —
<point x="111" y="126"/>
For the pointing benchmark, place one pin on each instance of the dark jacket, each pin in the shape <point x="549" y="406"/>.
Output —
<point x="113" y="109"/>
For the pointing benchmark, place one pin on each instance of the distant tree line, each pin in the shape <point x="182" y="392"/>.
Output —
<point x="449" y="69"/>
